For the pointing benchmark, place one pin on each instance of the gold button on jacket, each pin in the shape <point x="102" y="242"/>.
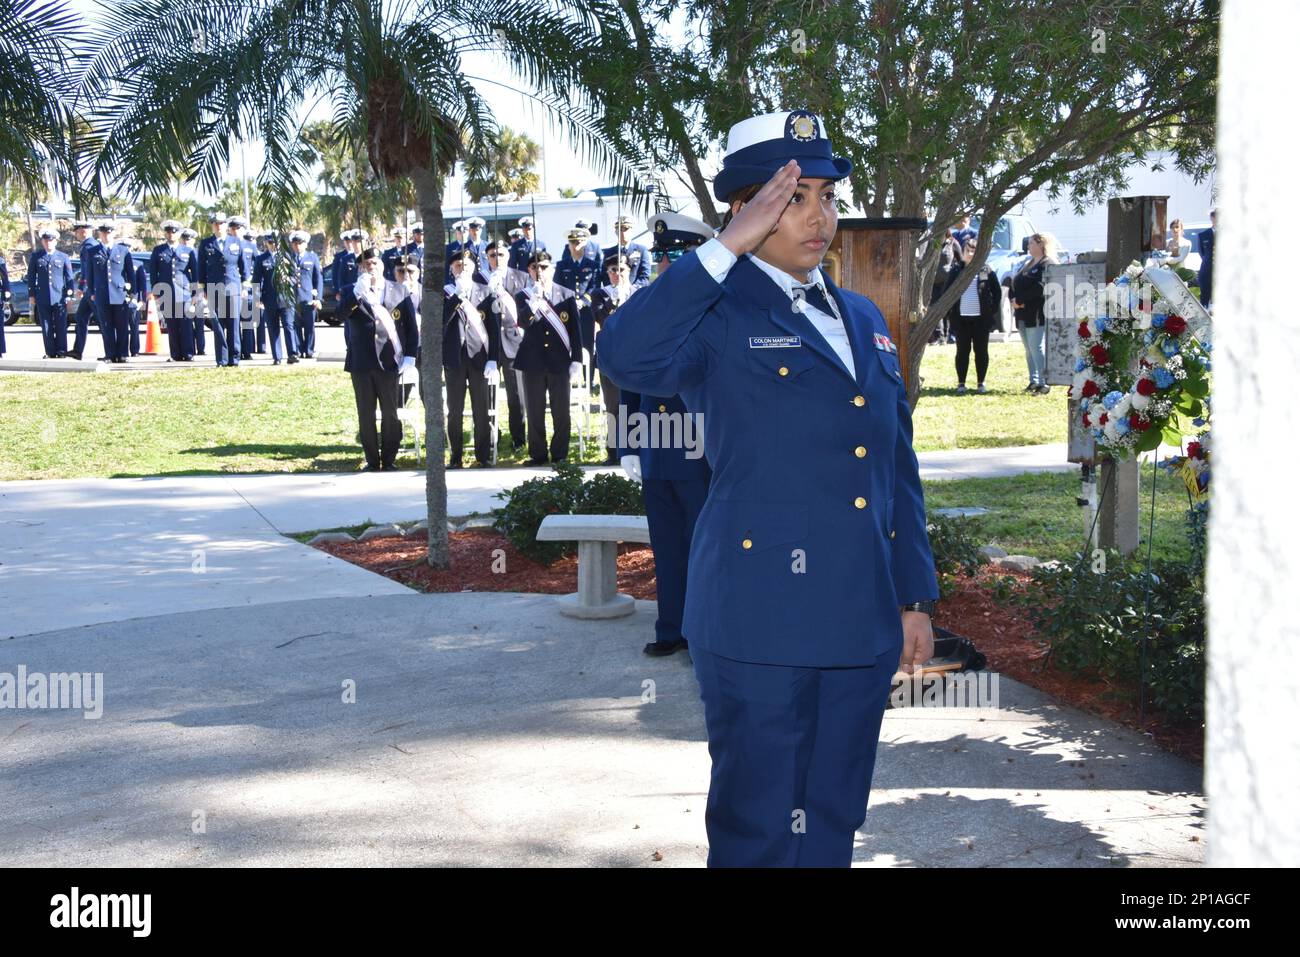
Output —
<point x="860" y="451"/>
<point x="860" y="502"/>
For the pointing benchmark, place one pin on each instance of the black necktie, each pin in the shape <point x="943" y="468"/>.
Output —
<point x="815" y="296"/>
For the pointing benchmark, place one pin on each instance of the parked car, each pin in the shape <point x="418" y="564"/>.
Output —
<point x="19" y="306"/>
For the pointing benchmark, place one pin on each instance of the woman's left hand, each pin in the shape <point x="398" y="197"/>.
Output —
<point x="918" y="642"/>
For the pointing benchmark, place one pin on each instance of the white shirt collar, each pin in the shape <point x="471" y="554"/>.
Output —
<point x="784" y="279"/>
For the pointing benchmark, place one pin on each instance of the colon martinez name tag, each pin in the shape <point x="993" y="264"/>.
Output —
<point x="775" y="342"/>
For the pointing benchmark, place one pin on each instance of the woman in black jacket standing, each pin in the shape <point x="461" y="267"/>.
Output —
<point x="977" y="315"/>
<point x="1027" y="301"/>
<point x="378" y="342"/>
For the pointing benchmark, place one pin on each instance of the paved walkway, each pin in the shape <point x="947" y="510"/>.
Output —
<point x="486" y="729"/>
<point x="489" y="730"/>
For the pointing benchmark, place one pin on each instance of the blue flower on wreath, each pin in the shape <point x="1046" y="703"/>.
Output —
<point x="1080" y="365"/>
<point x="1122" y="427"/>
<point x="1122" y="281"/>
<point x="1102" y="323"/>
<point x="1111" y="399"/>
<point x="1085" y="404"/>
<point x="1198" y="422"/>
<point x="1208" y="365"/>
<point x="1164" y="378"/>
<point x="1099" y="435"/>
<point x="1149" y="338"/>
<point x="1158" y="320"/>
<point x="1169" y="347"/>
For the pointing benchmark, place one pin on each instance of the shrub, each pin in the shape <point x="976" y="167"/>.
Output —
<point x="953" y="543"/>
<point x="564" y="493"/>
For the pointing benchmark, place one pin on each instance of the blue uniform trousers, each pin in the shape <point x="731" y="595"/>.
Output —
<point x="119" y="320"/>
<point x="671" y="508"/>
<point x="786" y="740"/>
<point x="180" y="329"/>
<point x="281" y="317"/>
<point x="135" y="310"/>
<point x="225" y="328"/>
<point x="306" y="327"/>
<point x="199" y="331"/>
<point x="82" y="319"/>
<point x="54" y="330"/>
<point x="107" y="328"/>
<point x="248" y="327"/>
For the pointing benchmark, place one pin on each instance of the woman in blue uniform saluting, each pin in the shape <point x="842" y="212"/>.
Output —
<point x="810" y="577"/>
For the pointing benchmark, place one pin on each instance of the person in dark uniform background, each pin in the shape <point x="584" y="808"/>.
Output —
<point x="377" y="344"/>
<point x="415" y="248"/>
<point x="503" y="307"/>
<point x="311" y="289"/>
<point x="238" y="228"/>
<point x="521" y="254"/>
<point x="139" y="304"/>
<point x="603" y="302"/>
<point x="49" y="290"/>
<point x="172" y="270"/>
<point x="454" y="248"/>
<point x="638" y="257"/>
<point x="86" y="245"/>
<point x="579" y="270"/>
<point x="1205" y="275"/>
<point x="471" y="344"/>
<point x="394" y="253"/>
<point x="111" y="282"/>
<point x="475" y="242"/>
<point x="549" y="357"/>
<point x="810" y="577"/>
<point x="275" y="285"/>
<point x="6" y="296"/>
<point x="221" y="283"/>
<point x="674" y="479"/>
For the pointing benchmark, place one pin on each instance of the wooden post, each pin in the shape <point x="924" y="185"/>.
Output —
<point x="876" y="257"/>
<point x="1136" y="226"/>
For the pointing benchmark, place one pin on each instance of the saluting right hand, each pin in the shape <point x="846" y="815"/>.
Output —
<point x="757" y="219"/>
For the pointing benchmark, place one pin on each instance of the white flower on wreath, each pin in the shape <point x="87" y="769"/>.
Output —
<point x="1140" y="402"/>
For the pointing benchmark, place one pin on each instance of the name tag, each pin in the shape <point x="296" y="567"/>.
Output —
<point x="775" y="342"/>
<point x="884" y="343"/>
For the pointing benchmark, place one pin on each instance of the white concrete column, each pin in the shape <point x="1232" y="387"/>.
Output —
<point x="1252" y="769"/>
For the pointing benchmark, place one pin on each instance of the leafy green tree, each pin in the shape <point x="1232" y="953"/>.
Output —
<point x="175" y="86"/>
<point x="37" y="53"/>
<point x="945" y="106"/>
<point x="508" y="167"/>
<point x="160" y="207"/>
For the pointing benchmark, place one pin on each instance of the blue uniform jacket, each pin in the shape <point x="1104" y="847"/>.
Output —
<point x="173" y="267"/>
<point x="86" y="253"/>
<point x="222" y="261"/>
<point x="542" y="349"/>
<point x="814" y="531"/>
<point x="142" y="283"/>
<point x="114" y="275"/>
<point x="389" y="258"/>
<point x="311" y="281"/>
<point x="638" y="262"/>
<point x="343" y="272"/>
<point x="264" y="282"/>
<point x="49" y="277"/>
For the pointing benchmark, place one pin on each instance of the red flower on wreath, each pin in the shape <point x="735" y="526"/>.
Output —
<point x="1090" y="389"/>
<point x="1146" y="386"/>
<point x="1083" y="330"/>
<point x="1099" y="355"/>
<point x="1105" y="416"/>
<point x="1194" y="450"/>
<point x="1143" y="425"/>
<point x="1087" y="423"/>
<point x="1175" y="325"/>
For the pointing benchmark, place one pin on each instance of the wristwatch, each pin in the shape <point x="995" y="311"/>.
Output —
<point x="923" y="606"/>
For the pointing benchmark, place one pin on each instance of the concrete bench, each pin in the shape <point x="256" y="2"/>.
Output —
<point x="597" y="537"/>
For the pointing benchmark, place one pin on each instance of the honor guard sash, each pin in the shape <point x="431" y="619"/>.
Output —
<point x="549" y="314"/>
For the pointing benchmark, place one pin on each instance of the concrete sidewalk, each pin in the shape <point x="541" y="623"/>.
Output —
<point x="489" y="730"/>
<point x="81" y="551"/>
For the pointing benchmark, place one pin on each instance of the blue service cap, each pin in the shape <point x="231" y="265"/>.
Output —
<point x="676" y="231"/>
<point x="761" y="145"/>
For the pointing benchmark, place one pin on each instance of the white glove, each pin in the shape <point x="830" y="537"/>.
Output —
<point x="573" y="369"/>
<point x="495" y="282"/>
<point x="490" y="371"/>
<point x="632" y="466"/>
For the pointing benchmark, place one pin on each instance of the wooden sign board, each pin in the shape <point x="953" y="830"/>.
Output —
<point x="876" y="257"/>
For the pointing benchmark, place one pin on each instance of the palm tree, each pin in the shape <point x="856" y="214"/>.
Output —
<point x="37" y="51"/>
<point x="508" y="167"/>
<point x="176" y="84"/>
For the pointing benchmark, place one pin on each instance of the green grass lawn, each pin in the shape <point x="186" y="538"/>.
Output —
<point x="1036" y="514"/>
<point x="302" y="419"/>
<point x="1006" y="416"/>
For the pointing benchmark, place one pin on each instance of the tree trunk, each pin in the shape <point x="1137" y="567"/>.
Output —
<point x="428" y="187"/>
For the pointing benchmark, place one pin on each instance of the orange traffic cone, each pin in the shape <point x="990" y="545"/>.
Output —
<point x="153" y="344"/>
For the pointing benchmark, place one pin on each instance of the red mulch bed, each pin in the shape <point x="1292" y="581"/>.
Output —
<point x="1000" y="630"/>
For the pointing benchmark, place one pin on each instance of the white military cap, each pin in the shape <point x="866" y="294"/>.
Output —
<point x="216" y="216"/>
<point x="298" y="236"/>
<point x="418" y="228"/>
<point x="515" y="233"/>
<point x="761" y="145"/>
<point x="526" y="221"/>
<point x="478" y="221"/>
<point x="460" y="226"/>
<point x="579" y="234"/>
<point x="237" y="221"/>
<point x="676" y="231"/>
<point x="172" y="225"/>
<point x="625" y="220"/>
<point x="270" y="237"/>
<point x="105" y="228"/>
<point x="188" y="233"/>
<point x="81" y="224"/>
<point x="48" y="233"/>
